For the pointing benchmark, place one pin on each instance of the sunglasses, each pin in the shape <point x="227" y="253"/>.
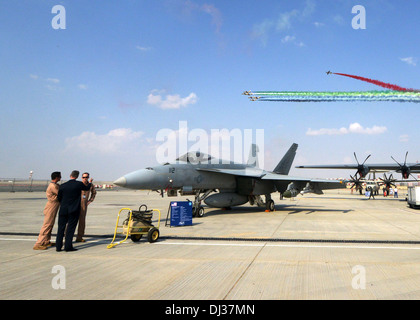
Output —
<point x="85" y="177"/>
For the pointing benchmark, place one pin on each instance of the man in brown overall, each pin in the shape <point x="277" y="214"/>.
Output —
<point x="50" y="212"/>
<point x="85" y="201"/>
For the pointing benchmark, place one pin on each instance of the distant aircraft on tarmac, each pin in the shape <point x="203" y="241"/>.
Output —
<point x="200" y="174"/>
<point x="363" y="169"/>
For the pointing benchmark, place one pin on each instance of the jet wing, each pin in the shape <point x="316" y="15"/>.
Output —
<point x="257" y="173"/>
<point x="308" y="184"/>
<point x="330" y="166"/>
<point x="372" y="167"/>
<point x="280" y="177"/>
<point x="264" y="175"/>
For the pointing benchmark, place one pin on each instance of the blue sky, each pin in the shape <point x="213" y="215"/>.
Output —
<point x="93" y="96"/>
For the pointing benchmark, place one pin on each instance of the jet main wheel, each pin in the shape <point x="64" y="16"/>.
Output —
<point x="135" y="237"/>
<point x="153" y="235"/>
<point x="271" y="205"/>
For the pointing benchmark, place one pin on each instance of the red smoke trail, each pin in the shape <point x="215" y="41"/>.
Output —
<point x="378" y="83"/>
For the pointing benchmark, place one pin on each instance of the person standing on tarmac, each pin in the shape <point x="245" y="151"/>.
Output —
<point x="69" y="196"/>
<point x="50" y="212"/>
<point x="371" y="195"/>
<point x="85" y="201"/>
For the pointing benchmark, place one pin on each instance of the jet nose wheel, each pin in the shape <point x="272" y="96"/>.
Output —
<point x="198" y="212"/>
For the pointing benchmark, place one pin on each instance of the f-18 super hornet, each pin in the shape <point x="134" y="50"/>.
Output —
<point x="233" y="184"/>
<point x="363" y="169"/>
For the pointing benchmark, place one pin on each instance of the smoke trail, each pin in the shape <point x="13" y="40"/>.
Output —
<point x="378" y="83"/>
<point x="311" y="96"/>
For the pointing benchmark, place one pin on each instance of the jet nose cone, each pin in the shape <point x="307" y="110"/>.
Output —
<point x="121" y="182"/>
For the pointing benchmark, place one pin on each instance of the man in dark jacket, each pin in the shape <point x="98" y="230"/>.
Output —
<point x="69" y="196"/>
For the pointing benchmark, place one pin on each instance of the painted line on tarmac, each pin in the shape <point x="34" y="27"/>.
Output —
<point x="282" y="245"/>
<point x="16" y="239"/>
<point x="261" y="244"/>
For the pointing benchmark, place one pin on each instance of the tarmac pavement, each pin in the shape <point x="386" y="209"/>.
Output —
<point x="333" y="246"/>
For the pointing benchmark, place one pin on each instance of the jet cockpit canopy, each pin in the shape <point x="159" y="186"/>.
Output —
<point x="195" y="157"/>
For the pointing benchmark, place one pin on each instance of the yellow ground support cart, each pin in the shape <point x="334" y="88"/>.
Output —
<point x="137" y="224"/>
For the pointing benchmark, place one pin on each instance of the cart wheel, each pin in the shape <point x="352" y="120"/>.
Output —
<point x="200" y="212"/>
<point x="153" y="235"/>
<point x="136" y="237"/>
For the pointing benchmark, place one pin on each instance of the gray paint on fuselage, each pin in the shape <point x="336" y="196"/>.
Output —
<point x="185" y="174"/>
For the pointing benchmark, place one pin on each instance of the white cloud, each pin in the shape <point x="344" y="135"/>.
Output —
<point x="404" y="138"/>
<point x="53" y="80"/>
<point x="410" y="60"/>
<point x="292" y="39"/>
<point x="283" y="23"/>
<point x="353" y="128"/>
<point x="117" y="140"/>
<point x="215" y="14"/>
<point x="170" y="101"/>
<point x="143" y="48"/>
<point x="189" y="7"/>
<point x="82" y="86"/>
<point x="52" y="88"/>
<point x="339" y="19"/>
<point x="288" y="39"/>
<point x="260" y="31"/>
<point x="309" y="8"/>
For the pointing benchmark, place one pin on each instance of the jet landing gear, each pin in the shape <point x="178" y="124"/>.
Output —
<point x="198" y="209"/>
<point x="269" y="203"/>
<point x="270" y="206"/>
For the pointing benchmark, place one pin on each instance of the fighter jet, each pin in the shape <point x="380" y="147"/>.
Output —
<point x="232" y="184"/>
<point x="328" y="72"/>
<point x="247" y="93"/>
<point x="252" y="98"/>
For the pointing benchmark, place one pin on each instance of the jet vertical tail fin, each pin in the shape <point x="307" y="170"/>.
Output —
<point x="253" y="156"/>
<point x="286" y="162"/>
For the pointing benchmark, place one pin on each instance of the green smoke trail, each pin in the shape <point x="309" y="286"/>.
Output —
<point x="326" y="96"/>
